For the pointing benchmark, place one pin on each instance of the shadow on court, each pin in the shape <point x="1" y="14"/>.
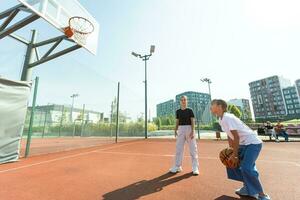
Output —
<point x="225" y="197"/>
<point x="145" y="187"/>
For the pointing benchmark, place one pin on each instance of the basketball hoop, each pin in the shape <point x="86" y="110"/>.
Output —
<point x="80" y="28"/>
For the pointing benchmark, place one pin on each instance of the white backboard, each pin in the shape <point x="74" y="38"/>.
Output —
<point x="58" y="13"/>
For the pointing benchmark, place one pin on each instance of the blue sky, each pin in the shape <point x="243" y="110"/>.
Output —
<point x="231" y="42"/>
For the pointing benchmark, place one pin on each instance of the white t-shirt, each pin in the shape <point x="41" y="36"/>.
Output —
<point x="230" y="122"/>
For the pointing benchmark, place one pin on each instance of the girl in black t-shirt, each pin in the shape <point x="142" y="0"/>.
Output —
<point x="185" y="132"/>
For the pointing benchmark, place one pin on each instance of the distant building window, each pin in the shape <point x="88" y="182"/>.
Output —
<point x="260" y="100"/>
<point x="290" y="106"/>
<point x="287" y="96"/>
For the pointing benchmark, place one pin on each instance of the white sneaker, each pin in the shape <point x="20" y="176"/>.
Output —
<point x="175" y="169"/>
<point x="267" y="197"/>
<point x="244" y="193"/>
<point x="196" y="172"/>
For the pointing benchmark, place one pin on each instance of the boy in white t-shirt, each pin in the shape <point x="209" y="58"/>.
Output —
<point x="246" y="148"/>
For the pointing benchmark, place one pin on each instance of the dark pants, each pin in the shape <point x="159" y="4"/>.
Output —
<point x="247" y="172"/>
<point x="282" y="133"/>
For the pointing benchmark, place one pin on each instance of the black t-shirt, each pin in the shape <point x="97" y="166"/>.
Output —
<point x="268" y="126"/>
<point x="184" y="116"/>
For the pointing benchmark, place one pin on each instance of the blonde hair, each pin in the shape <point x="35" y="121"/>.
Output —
<point x="183" y="96"/>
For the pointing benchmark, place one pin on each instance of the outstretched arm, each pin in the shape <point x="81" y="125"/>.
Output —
<point x="192" y="135"/>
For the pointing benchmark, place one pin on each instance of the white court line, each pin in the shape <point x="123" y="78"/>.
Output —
<point x="200" y="157"/>
<point x="63" y="158"/>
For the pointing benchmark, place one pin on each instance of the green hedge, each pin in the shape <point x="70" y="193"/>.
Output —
<point x="102" y="129"/>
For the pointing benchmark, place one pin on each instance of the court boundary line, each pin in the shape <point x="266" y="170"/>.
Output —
<point x="63" y="158"/>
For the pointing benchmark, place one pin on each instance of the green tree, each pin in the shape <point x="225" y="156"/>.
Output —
<point x="171" y="119"/>
<point x="247" y="115"/>
<point x="168" y="121"/>
<point x="157" y="122"/>
<point x="234" y="110"/>
<point x="141" y="118"/>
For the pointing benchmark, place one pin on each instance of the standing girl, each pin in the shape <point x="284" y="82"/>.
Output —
<point x="184" y="131"/>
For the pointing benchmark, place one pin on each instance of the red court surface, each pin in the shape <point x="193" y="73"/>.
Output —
<point x="138" y="170"/>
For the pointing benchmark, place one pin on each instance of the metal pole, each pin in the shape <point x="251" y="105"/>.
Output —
<point x="31" y="117"/>
<point x="146" y="109"/>
<point x="210" y="115"/>
<point x="71" y="112"/>
<point x="82" y="120"/>
<point x="197" y="118"/>
<point x="46" y="112"/>
<point x="29" y="58"/>
<point x="111" y="116"/>
<point x="145" y="58"/>
<point x="61" y="120"/>
<point x="209" y="90"/>
<point x="117" y="120"/>
<point x="74" y="128"/>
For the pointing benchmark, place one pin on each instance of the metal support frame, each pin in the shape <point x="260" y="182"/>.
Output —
<point x="19" y="38"/>
<point x="7" y="29"/>
<point x="7" y="12"/>
<point x="26" y="73"/>
<point x="10" y="14"/>
<point x="46" y="57"/>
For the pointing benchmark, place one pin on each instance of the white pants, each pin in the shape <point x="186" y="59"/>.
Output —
<point x="184" y="136"/>
<point x="271" y="132"/>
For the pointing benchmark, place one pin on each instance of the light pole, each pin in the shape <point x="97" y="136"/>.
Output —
<point x="73" y="96"/>
<point x="145" y="58"/>
<point x="208" y="81"/>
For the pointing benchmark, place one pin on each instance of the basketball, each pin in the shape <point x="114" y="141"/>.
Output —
<point x="225" y="155"/>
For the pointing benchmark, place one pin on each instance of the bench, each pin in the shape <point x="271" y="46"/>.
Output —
<point x="293" y="130"/>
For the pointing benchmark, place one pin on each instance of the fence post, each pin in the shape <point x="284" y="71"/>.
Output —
<point x="117" y="120"/>
<point x="36" y="83"/>
<point x="61" y="120"/>
<point x="82" y="120"/>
